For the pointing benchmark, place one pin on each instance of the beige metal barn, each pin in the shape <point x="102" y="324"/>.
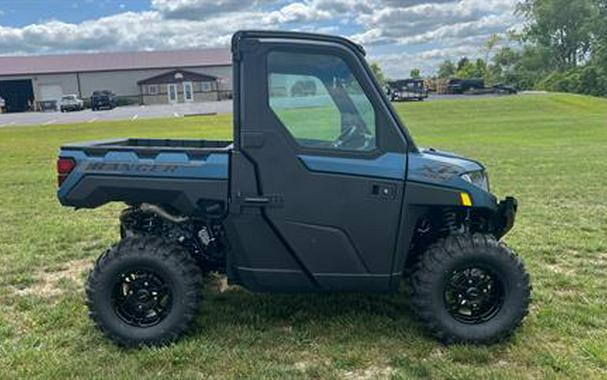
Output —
<point x="28" y="82"/>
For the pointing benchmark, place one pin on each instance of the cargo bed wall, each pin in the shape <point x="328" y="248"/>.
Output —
<point x="152" y="146"/>
<point x="188" y="181"/>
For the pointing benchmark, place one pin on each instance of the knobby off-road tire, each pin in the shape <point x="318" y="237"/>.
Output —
<point x="144" y="291"/>
<point x="476" y="266"/>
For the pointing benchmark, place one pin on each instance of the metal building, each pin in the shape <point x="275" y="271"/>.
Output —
<point x="29" y="82"/>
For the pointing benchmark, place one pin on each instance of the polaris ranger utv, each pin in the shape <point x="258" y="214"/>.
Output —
<point x="322" y="191"/>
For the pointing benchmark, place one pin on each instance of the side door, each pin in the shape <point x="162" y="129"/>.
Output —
<point x="328" y="163"/>
<point x="172" y="93"/>
<point x="188" y="92"/>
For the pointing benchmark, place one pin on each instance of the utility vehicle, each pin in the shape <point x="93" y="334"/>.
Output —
<point x="71" y="103"/>
<point x="461" y="86"/>
<point x="407" y="89"/>
<point x="103" y="99"/>
<point x="317" y="192"/>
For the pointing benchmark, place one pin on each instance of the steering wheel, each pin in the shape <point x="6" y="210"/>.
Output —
<point x="353" y="137"/>
<point x="345" y="136"/>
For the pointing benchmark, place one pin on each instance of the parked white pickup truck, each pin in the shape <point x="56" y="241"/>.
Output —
<point x="70" y="103"/>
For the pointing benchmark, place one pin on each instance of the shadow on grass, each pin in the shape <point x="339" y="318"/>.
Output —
<point x="360" y="317"/>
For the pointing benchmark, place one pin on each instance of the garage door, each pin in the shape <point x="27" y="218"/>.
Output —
<point x="50" y="92"/>
<point x="18" y="94"/>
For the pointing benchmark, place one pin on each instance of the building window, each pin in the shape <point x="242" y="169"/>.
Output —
<point x="172" y="93"/>
<point x="188" y="92"/>
<point x="153" y="89"/>
<point x="206" y="86"/>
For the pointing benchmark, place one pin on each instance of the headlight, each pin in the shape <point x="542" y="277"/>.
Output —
<point x="478" y="178"/>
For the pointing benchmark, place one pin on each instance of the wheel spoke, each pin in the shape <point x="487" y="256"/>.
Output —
<point x="142" y="298"/>
<point x="473" y="295"/>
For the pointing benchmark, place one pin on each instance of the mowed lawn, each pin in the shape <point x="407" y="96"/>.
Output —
<point x="548" y="150"/>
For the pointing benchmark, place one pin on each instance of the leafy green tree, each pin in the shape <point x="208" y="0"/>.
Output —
<point x="416" y="74"/>
<point x="446" y="69"/>
<point x="562" y="26"/>
<point x="563" y="47"/>
<point x="504" y="66"/>
<point x="462" y="63"/>
<point x="600" y="27"/>
<point x="465" y="69"/>
<point x="490" y="44"/>
<point x="379" y="73"/>
<point x="480" y="68"/>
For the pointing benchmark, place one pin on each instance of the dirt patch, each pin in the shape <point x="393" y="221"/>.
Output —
<point x="302" y="366"/>
<point x="48" y="283"/>
<point x="219" y="283"/>
<point x="598" y="259"/>
<point x="561" y="269"/>
<point x="372" y="372"/>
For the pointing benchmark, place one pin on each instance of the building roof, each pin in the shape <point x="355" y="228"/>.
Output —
<point x="81" y="63"/>
<point x="178" y="76"/>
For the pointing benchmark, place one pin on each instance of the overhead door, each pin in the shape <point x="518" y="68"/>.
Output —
<point x="18" y="94"/>
<point x="50" y="92"/>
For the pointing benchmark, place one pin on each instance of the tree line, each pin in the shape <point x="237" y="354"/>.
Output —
<point x="562" y="47"/>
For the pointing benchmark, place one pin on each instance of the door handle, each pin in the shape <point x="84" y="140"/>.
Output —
<point x="257" y="200"/>
<point x="263" y="201"/>
<point x="383" y="190"/>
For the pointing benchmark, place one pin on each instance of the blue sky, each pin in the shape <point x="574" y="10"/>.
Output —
<point x="24" y="12"/>
<point x="399" y="34"/>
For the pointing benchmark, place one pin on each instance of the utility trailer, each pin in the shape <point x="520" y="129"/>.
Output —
<point x="322" y="191"/>
<point x="407" y="89"/>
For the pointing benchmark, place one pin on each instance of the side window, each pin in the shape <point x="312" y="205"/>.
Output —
<point x="320" y="102"/>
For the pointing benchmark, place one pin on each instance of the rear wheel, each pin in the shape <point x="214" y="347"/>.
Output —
<point x="470" y="289"/>
<point x="144" y="291"/>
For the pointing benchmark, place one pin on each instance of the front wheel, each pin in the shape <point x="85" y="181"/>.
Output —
<point x="470" y="289"/>
<point x="144" y="291"/>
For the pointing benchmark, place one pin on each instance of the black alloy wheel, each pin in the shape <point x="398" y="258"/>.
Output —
<point x="473" y="295"/>
<point x="141" y="298"/>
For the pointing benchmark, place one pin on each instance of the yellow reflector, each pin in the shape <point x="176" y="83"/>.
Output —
<point x="465" y="198"/>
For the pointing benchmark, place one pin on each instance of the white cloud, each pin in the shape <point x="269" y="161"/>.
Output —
<point x="398" y="22"/>
<point x="401" y="34"/>
<point x="420" y="34"/>
<point x="398" y="65"/>
<point x="297" y="12"/>
<point x="201" y="9"/>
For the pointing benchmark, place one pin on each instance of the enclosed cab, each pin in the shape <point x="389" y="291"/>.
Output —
<point x="323" y="189"/>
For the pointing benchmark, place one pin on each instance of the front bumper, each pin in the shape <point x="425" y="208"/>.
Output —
<point x="505" y="216"/>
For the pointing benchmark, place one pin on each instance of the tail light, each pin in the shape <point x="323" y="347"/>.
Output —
<point x="64" y="168"/>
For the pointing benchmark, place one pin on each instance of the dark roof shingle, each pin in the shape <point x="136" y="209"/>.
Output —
<point x="179" y="76"/>
<point x="68" y="63"/>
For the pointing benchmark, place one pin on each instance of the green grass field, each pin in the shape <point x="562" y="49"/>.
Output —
<point x="548" y="150"/>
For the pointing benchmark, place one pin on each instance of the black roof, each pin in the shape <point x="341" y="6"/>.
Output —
<point x="293" y="35"/>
